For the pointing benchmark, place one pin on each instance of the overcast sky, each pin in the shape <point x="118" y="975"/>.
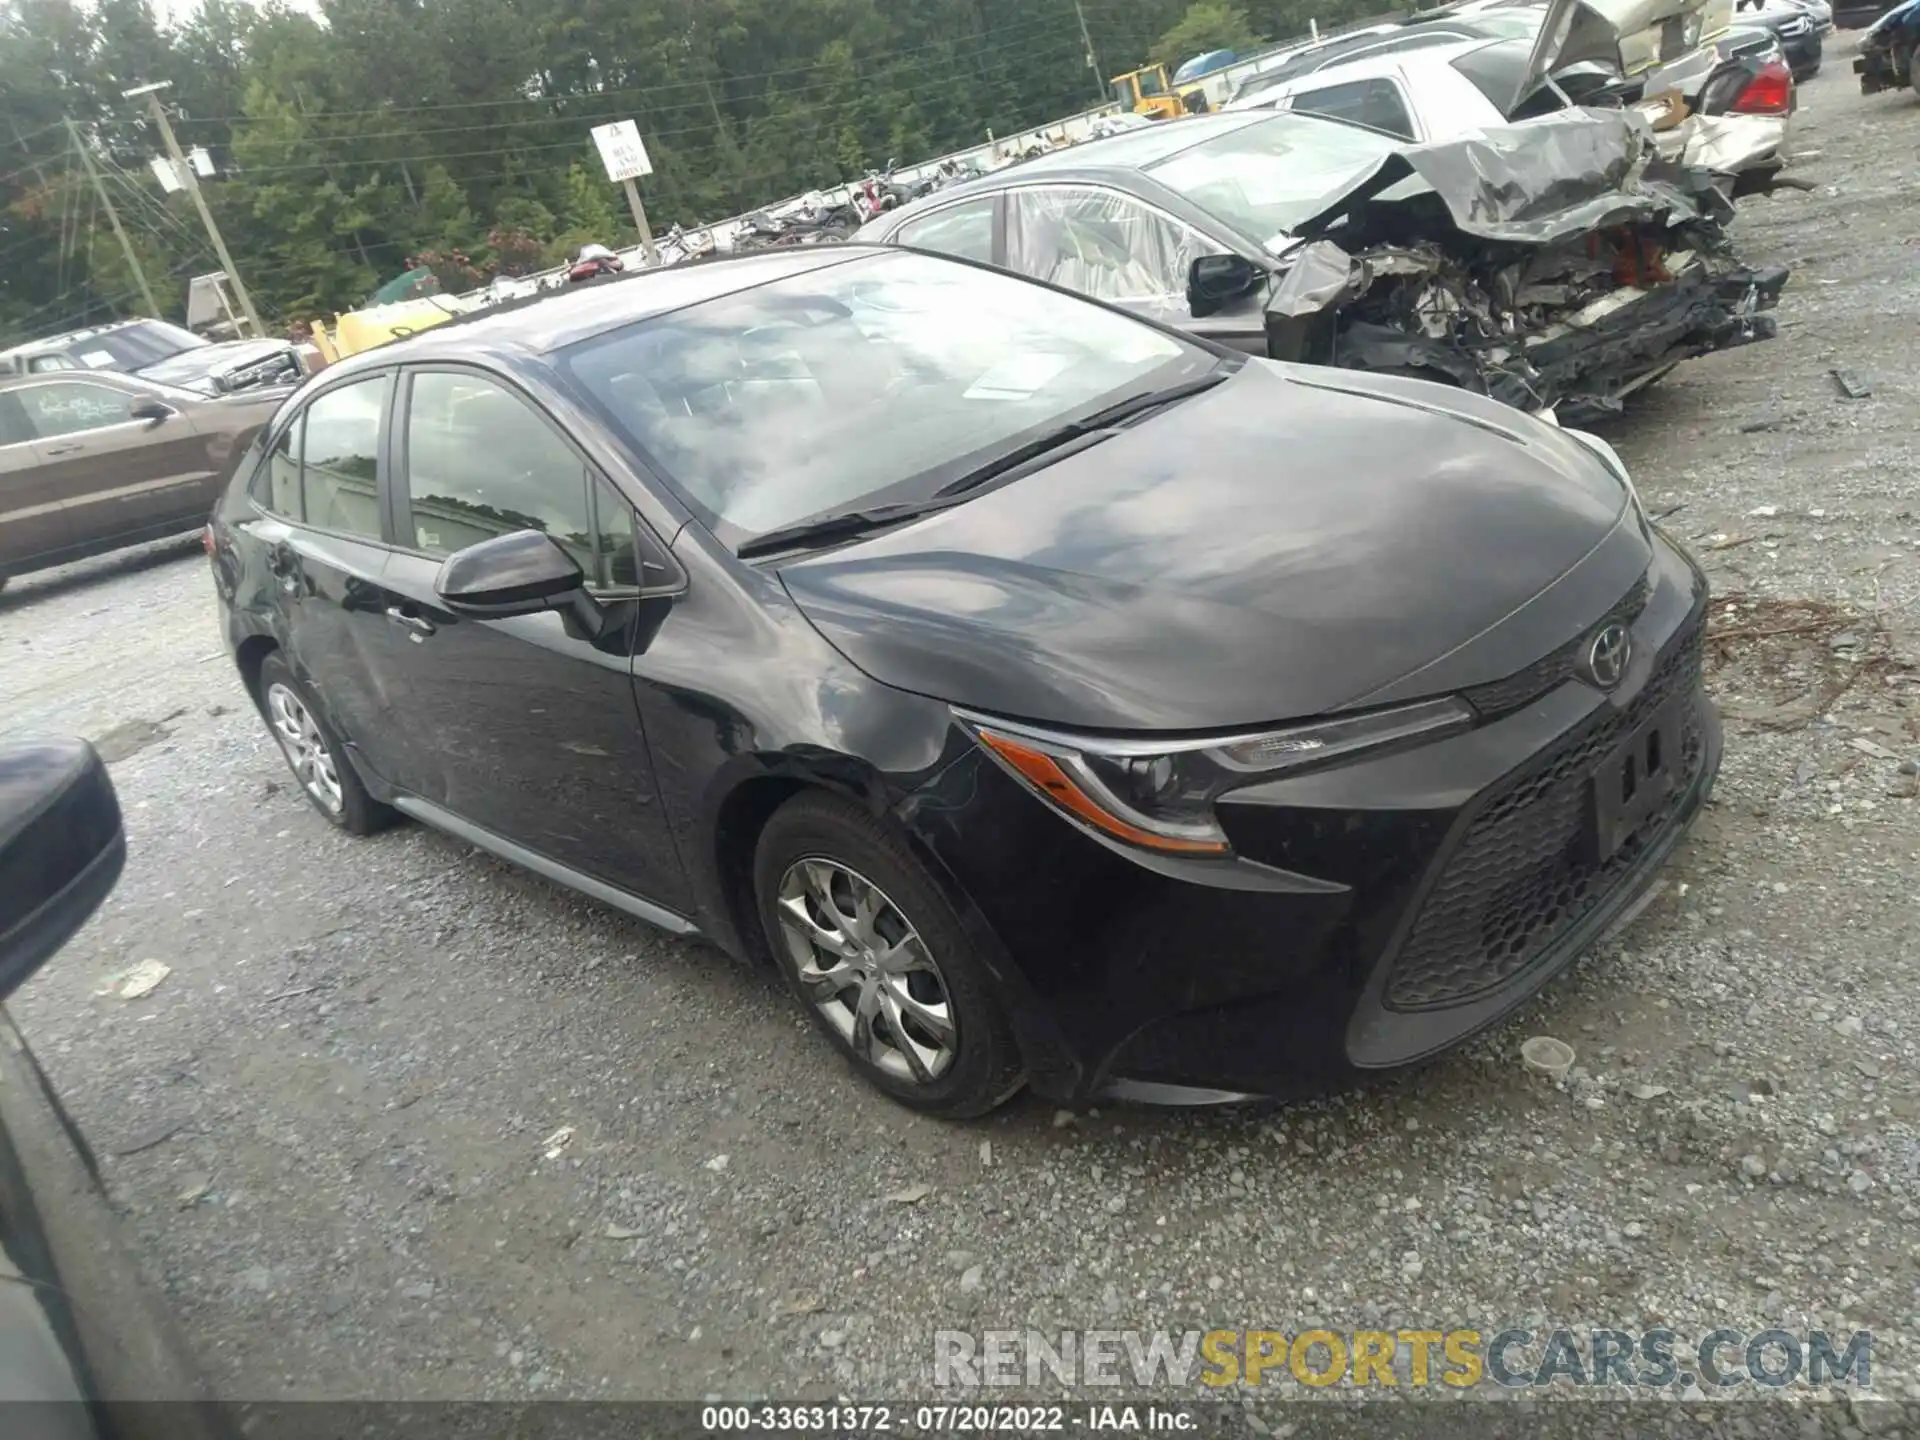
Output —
<point x="170" y="12"/>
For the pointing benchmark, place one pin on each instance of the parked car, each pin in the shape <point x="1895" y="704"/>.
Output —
<point x="1133" y="718"/>
<point x="1889" y="55"/>
<point x="162" y="353"/>
<point x="1471" y="260"/>
<point x="98" y="460"/>
<point x="86" y="1349"/>
<point x="1446" y="91"/>
<point x="1799" y="32"/>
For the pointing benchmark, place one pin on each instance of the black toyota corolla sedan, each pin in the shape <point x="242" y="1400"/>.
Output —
<point x="1052" y="696"/>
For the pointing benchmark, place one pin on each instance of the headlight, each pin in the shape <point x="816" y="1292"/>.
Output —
<point x="1160" y="795"/>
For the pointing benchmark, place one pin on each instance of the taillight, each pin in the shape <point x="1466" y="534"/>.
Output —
<point x="1769" y="93"/>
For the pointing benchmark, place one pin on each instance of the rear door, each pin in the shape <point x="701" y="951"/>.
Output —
<point x="318" y="514"/>
<point x="33" y="524"/>
<point x="119" y="477"/>
<point x="524" y="726"/>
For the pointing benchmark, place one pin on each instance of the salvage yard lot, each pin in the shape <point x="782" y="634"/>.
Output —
<point x="403" y="1122"/>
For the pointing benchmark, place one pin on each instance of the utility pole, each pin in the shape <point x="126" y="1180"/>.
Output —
<point x="1093" y="61"/>
<point x="113" y="215"/>
<point x="192" y="182"/>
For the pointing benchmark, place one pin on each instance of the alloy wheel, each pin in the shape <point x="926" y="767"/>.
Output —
<point x="306" y="748"/>
<point x="867" y="971"/>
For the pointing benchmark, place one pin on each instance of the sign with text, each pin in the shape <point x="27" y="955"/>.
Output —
<point x="622" y="151"/>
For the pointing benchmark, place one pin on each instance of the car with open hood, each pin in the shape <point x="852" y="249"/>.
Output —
<point x="1053" y="697"/>
<point x="1889" y="57"/>
<point x="164" y="353"/>
<point x="1556" y="264"/>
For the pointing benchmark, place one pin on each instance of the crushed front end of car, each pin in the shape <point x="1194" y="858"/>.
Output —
<point x="1559" y="264"/>
<point x="1888" y="50"/>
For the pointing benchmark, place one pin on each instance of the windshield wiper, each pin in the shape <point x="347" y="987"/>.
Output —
<point x="837" y="525"/>
<point x="1088" y="428"/>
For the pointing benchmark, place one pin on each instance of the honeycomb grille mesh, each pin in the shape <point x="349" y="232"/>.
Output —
<point x="1525" y="872"/>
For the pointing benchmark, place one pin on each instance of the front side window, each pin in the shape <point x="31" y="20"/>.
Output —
<point x="482" y="462"/>
<point x="876" y="378"/>
<point x="1265" y="178"/>
<point x="339" y="463"/>
<point x="1104" y="244"/>
<point x="71" y="407"/>
<point x="15" y="428"/>
<point x="965" y="230"/>
<point x="1375" y="104"/>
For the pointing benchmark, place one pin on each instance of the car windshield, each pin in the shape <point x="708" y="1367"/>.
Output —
<point x="1263" y="179"/>
<point x="134" y="347"/>
<point x="868" y="381"/>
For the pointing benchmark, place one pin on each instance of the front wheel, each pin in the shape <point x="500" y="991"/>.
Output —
<point x="877" y="954"/>
<point x="314" y="754"/>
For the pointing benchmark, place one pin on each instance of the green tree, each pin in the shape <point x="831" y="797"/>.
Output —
<point x="586" y="213"/>
<point x="1207" y="25"/>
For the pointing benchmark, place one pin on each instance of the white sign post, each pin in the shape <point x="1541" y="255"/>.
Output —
<point x="624" y="154"/>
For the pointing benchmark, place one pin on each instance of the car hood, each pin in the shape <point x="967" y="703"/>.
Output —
<point x="1289" y="543"/>
<point x="1633" y="34"/>
<point x="194" y="369"/>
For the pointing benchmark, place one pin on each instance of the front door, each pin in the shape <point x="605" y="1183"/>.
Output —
<point x="118" y="476"/>
<point x="525" y="727"/>
<point x="33" y="528"/>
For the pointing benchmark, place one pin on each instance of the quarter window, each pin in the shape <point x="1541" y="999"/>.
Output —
<point x="340" y="466"/>
<point x="68" y="407"/>
<point x="276" y="485"/>
<point x="965" y="230"/>
<point x="482" y="462"/>
<point x="1375" y="104"/>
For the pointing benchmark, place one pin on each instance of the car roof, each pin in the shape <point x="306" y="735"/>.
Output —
<point x="66" y="338"/>
<point x="1368" y="67"/>
<point x="552" y="320"/>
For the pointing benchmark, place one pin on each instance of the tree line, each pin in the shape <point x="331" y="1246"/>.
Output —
<point x="360" y="135"/>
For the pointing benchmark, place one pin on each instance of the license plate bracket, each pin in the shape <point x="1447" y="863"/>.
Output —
<point x="1637" y="778"/>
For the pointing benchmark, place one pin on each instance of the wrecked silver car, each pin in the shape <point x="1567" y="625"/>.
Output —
<point x="1559" y="264"/>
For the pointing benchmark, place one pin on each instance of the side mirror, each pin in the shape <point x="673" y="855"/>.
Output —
<point x="521" y="573"/>
<point x="61" y="849"/>
<point x="1216" y="281"/>
<point x="153" y="411"/>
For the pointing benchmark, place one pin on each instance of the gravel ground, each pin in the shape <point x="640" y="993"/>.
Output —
<point x="337" y="1125"/>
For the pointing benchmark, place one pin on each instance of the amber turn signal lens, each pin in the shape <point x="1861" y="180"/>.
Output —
<point x="1045" y="774"/>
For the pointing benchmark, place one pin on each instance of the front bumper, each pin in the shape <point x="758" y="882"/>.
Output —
<point x="1379" y="912"/>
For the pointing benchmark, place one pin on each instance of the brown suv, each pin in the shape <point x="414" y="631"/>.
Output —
<point x="93" y="461"/>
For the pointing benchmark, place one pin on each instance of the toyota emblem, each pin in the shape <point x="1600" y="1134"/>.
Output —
<point x="1607" y="656"/>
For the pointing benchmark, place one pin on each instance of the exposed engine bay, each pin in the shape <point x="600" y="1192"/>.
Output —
<point x="1559" y="264"/>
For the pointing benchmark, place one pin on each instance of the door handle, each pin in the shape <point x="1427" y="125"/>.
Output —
<point x="419" y="624"/>
<point x="73" y="449"/>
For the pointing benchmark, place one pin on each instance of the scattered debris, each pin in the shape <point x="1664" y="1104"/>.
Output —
<point x="1851" y="385"/>
<point x="142" y="980"/>
<point x="973" y="1279"/>
<point x="717" y="1164"/>
<point x="1873" y="748"/>
<point x="1649" y="1092"/>
<point x="1544" y="1055"/>
<point x="986" y="1152"/>
<point x="1728" y="542"/>
<point x="800" y="1305"/>
<point x="299" y="990"/>
<point x="1768" y="419"/>
<point x="196" y="1187"/>
<point x="1764" y="512"/>
<point x="557" y="1141"/>
<point x="151" y="1136"/>
<point x="621" y="1232"/>
<point x="1062" y="1119"/>
<point x="912" y="1195"/>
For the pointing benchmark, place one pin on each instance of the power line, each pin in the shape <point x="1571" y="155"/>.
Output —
<point x="859" y="61"/>
<point x="581" y="142"/>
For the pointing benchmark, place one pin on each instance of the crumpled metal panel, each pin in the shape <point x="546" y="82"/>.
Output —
<point x="1320" y="274"/>
<point x="1539" y="182"/>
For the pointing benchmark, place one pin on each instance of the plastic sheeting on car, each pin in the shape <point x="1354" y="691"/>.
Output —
<point x="1104" y="244"/>
<point x="1539" y="182"/>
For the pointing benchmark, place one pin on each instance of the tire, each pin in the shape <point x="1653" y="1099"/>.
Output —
<point x="314" y="753"/>
<point x="818" y="849"/>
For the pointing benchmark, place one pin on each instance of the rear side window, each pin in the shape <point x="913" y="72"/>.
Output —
<point x="965" y="230"/>
<point x="339" y="462"/>
<point x="1375" y="104"/>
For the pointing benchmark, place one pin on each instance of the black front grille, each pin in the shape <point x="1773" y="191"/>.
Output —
<point x="1526" y="870"/>
<point x="1499" y="697"/>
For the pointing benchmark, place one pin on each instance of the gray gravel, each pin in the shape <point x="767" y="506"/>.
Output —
<point x="370" y="1047"/>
